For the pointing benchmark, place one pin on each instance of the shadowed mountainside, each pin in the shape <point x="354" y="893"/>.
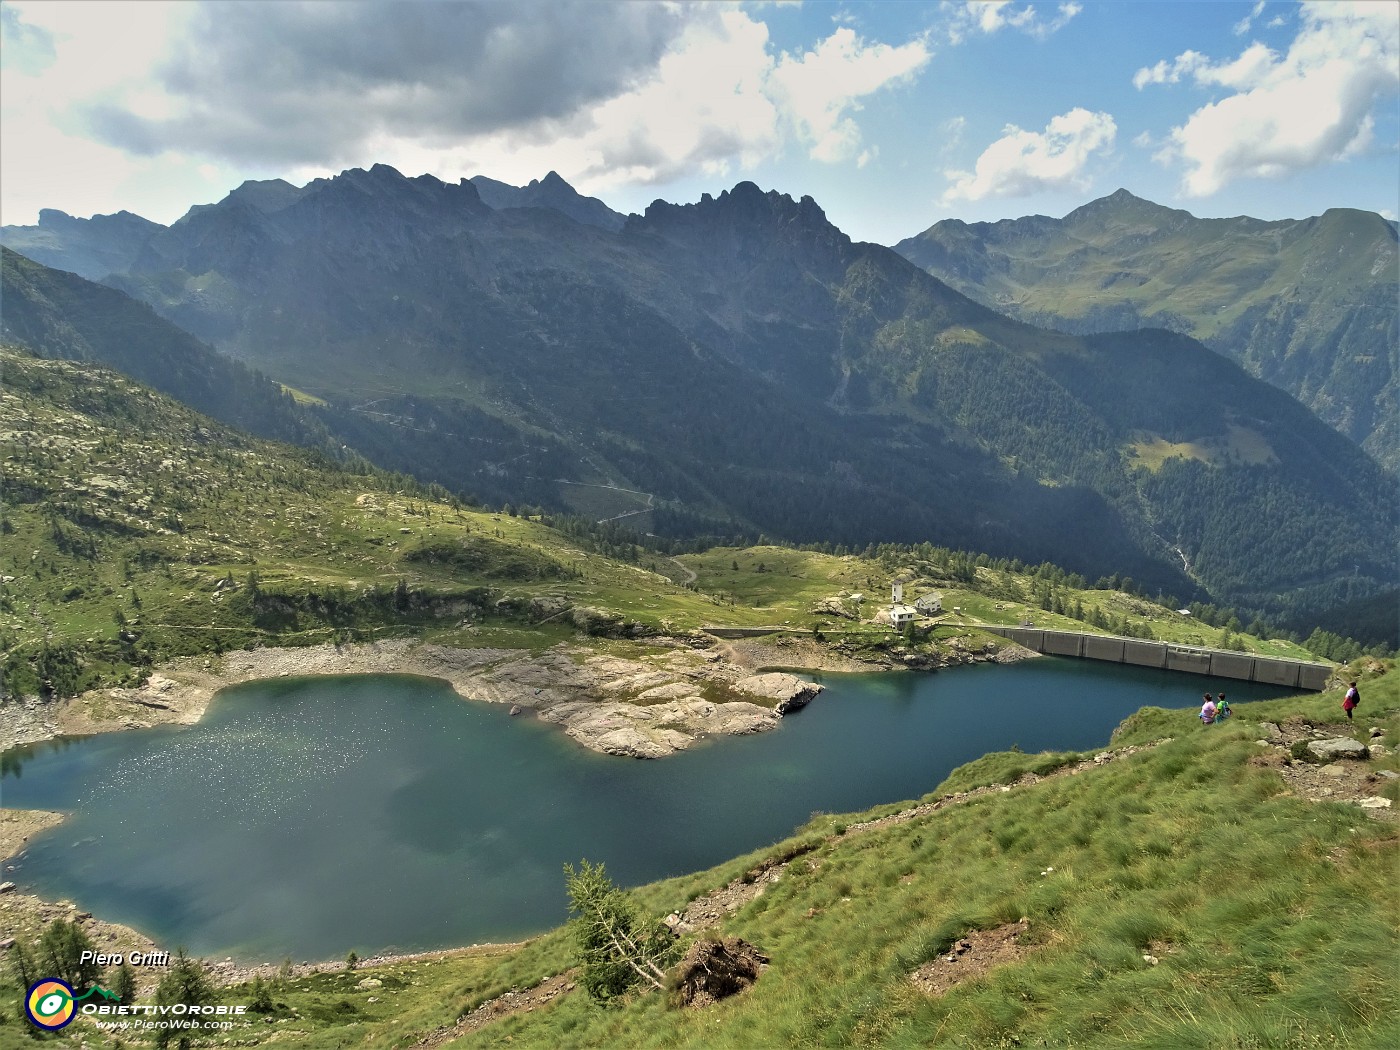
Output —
<point x="745" y="366"/>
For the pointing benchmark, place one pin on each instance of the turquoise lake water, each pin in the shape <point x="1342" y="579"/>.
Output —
<point x="307" y="817"/>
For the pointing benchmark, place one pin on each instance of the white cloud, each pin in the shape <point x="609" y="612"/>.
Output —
<point x="953" y="129"/>
<point x="717" y="100"/>
<point x="303" y="90"/>
<point x="821" y="88"/>
<point x="1246" y="23"/>
<point x="992" y="16"/>
<point x="1021" y="163"/>
<point x="1254" y="61"/>
<point x="1286" y="113"/>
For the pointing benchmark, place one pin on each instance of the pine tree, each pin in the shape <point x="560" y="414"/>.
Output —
<point x="61" y="951"/>
<point x="185" y="982"/>
<point x="124" y="984"/>
<point x="616" y="949"/>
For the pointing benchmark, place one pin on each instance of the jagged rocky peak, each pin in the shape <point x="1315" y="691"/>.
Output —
<point x="552" y="191"/>
<point x="267" y="195"/>
<point x="382" y="182"/>
<point x="745" y="207"/>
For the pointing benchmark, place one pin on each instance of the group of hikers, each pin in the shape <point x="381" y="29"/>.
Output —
<point x="1214" y="710"/>
<point x="1217" y="710"/>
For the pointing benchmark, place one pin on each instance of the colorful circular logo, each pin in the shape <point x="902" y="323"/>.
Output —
<point x="49" y="1004"/>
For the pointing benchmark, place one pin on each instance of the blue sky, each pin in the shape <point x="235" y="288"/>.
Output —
<point x="891" y="115"/>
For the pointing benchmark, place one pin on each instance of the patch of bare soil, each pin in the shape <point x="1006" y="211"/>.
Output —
<point x="972" y="955"/>
<point x="511" y="1002"/>
<point x="715" y="968"/>
<point x="1352" y="780"/>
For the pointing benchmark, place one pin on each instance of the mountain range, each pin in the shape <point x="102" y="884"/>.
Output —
<point x="1307" y="304"/>
<point x="740" y="366"/>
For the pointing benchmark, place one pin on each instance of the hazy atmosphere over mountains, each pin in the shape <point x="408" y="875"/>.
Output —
<point x="740" y="364"/>
<point x="1309" y="305"/>
<point x="747" y="368"/>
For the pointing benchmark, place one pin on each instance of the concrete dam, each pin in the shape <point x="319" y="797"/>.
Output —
<point x="1221" y="663"/>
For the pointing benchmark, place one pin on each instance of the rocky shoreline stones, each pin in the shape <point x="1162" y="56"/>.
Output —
<point x="660" y="698"/>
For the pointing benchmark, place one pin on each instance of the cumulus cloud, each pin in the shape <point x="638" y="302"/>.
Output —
<point x="1285" y="113"/>
<point x="991" y="16"/>
<point x="1021" y="163"/>
<point x="303" y="89"/>
<point x="303" y="82"/>
<point x="1253" y="62"/>
<point x="822" y="87"/>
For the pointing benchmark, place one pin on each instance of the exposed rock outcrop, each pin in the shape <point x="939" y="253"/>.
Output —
<point x="1338" y="747"/>
<point x="789" y="691"/>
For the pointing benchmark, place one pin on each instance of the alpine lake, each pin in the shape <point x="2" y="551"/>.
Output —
<point x="307" y="817"/>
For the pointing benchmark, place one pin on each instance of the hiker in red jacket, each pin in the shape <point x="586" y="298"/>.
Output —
<point x="1350" y="701"/>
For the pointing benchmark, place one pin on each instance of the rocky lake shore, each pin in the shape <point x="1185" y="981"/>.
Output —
<point x="657" y="699"/>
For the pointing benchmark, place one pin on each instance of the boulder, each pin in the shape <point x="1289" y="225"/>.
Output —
<point x="1337" y="747"/>
<point x="595" y="621"/>
<point x="789" y="691"/>
<point x="7" y="887"/>
<point x="1272" y="733"/>
<point x="545" y="606"/>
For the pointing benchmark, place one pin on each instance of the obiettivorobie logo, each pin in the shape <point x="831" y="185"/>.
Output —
<point x="51" y="1004"/>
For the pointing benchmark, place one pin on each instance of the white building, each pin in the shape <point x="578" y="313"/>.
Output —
<point x="900" y="614"/>
<point x="929" y="604"/>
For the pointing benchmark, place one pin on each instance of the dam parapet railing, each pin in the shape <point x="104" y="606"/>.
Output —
<point x="1169" y="656"/>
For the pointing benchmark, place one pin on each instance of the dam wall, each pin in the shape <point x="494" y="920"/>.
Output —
<point x="1219" y="663"/>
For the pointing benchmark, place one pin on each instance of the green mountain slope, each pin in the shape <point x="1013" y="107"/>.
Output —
<point x="136" y="530"/>
<point x="1308" y="305"/>
<point x="739" y="365"/>
<point x="59" y="314"/>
